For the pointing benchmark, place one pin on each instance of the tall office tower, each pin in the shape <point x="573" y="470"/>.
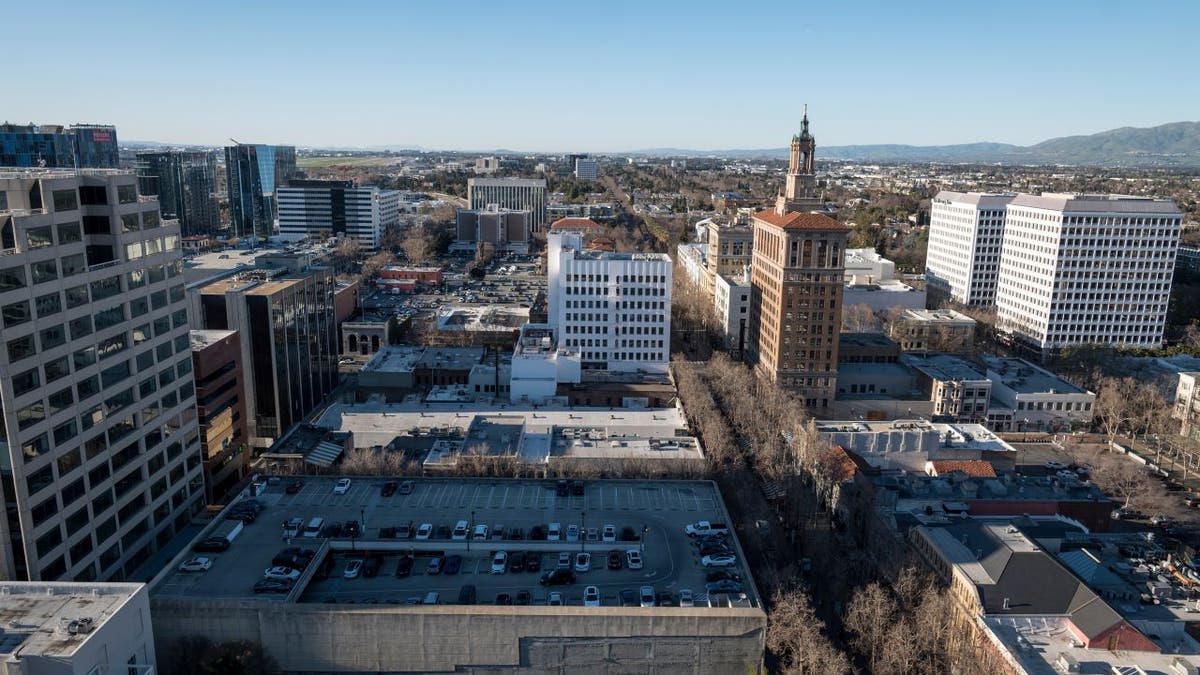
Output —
<point x="518" y="194"/>
<point x="221" y="405"/>
<point x="800" y="186"/>
<point x="254" y="173"/>
<point x="284" y="313"/>
<point x="1087" y="269"/>
<point x="613" y="309"/>
<point x="796" y="284"/>
<point x="101" y="455"/>
<point x="504" y="229"/>
<point x="965" y="234"/>
<point x="57" y="147"/>
<point x="587" y="168"/>
<point x="730" y="248"/>
<point x="185" y="184"/>
<point x="309" y="208"/>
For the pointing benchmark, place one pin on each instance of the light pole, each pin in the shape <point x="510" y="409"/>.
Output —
<point x="645" y="529"/>
<point x="582" y="529"/>
<point x="470" y="531"/>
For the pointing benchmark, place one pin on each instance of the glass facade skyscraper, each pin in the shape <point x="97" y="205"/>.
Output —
<point x="254" y="173"/>
<point x="53" y="146"/>
<point x="185" y="184"/>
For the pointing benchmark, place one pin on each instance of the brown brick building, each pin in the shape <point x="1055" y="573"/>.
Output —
<point x="221" y="405"/>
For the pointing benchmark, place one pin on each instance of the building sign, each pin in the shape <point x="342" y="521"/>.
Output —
<point x="101" y="136"/>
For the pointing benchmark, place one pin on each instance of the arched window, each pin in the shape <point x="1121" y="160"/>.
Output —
<point x="352" y="343"/>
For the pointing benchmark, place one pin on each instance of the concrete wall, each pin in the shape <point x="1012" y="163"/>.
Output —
<point x="347" y="638"/>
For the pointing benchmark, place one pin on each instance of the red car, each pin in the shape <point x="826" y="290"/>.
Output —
<point x="294" y="487"/>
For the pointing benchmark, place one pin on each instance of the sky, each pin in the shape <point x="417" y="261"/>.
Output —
<point x="603" y="76"/>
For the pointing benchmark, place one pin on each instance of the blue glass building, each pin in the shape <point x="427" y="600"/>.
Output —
<point x="57" y="147"/>
<point x="254" y="172"/>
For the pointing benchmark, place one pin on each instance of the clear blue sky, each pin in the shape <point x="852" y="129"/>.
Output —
<point x="601" y="76"/>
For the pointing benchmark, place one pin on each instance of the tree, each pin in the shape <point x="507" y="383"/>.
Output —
<point x="796" y="637"/>
<point x="1129" y="405"/>
<point x="860" y="318"/>
<point x="372" y="265"/>
<point x="416" y="245"/>
<point x="197" y="655"/>
<point x="870" y="618"/>
<point x="1125" y="480"/>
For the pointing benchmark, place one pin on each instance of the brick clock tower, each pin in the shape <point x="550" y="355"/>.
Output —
<point x="800" y="188"/>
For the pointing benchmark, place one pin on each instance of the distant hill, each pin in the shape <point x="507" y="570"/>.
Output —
<point x="1175" y="144"/>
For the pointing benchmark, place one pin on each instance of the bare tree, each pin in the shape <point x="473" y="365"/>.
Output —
<point x="1124" y="479"/>
<point x="1125" y="404"/>
<point x="796" y="637"/>
<point x="372" y="265"/>
<point x="860" y="318"/>
<point x="417" y="246"/>
<point x="870" y="618"/>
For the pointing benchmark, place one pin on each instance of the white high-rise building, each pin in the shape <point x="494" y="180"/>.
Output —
<point x="308" y="208"/>
<point x="614" y="309"/>
<point x="519" y="194"/>
<point x="1087" y="269"/>
<point x="965" y="233"/>
<point x="99" y="446"/>
<point x="586" y="168"/>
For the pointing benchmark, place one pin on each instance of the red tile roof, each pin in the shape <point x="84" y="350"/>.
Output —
<point x="972" y="467"/>
<point x="793" y="220"/>
<point x="573" y="224"/>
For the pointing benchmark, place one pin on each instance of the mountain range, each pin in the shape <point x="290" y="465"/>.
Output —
<point x="1174" y="144"/>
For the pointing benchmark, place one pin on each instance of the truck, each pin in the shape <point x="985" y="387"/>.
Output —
<point x="704" y="527"/>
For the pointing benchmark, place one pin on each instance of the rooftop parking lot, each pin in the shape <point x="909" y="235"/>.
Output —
<point x="518" y="514"/>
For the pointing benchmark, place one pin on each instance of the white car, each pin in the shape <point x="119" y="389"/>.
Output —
<point x="200" y="564"/>
<point x="460" y="531"/>
<point x="353" y="569"/>
<point x="719" y="560"/>
<point x="500" y="562"/>
<point x="610" y="534"/>
<point x="646" y="593"/>
<point x="686" y="599"/>
<point x="342" y="486"/>
<point x="554" y="532"/>
<point x="564" y="560"/>
<point x="424" y="531"/>
<point x="591" y="597"/>
<point x="633" y="559"/>
<point x="555" y="599"/>
<point x="583" y="562"/>
<point x="281" y="573"/>
<point x="573" y="533"/>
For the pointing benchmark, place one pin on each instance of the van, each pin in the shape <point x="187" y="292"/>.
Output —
<point x="314" y="527"/>
<point x="293" y="527"/>
<point x="431" y="598"/>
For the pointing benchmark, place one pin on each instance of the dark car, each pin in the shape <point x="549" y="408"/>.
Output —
<point x="504" y="599"/>
<point x="273" y="586"/>
<point x="371" y="567"/>
<point x="516" y="562"/>
<point x="614" y="560"/>
<point x="389" y="488"/>
<point x="533" y="562"/>
<point x="294" y="486"/>
<point x="255" y="504"/>
<point x="723" y="586"/>
<point x="562" y="488"/>
<point x="332" y="530"/>
<point x="714" y="549"/>
<point x="294" y="557"/>
<point x="466" y="595"/>
<point x="515" y="534"/>
<point x="667" y="599"/>
<point x="629" y="598"/>
<point x="212" y="545"/>
<point x="404" y="567"/>
<point x="722" y="575"/>
<point x="351" y="528"/>
<point x="628" y="534"/>
<point x="557" y="578"/>
<point x="537" y="533"/>
<point x="453" y="564"/>
<point x="442" y="532"/>
<point x="577" y="488"/>
<point x="522" y="598"/>
<point x="245" y="516"/>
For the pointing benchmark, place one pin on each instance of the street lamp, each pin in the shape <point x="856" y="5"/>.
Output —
<point x="470" y="529"/>
<point x="582" y="529"/>
<point x="645" y="529"/>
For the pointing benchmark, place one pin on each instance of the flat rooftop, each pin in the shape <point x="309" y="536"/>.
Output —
<point x="203" y="338"/>
<point x="406" y="358"/>
<point x="659" y="508"/>
<point x="880" y="340"/>
<point x="944" y="367"/>
<point x="36" y="617"/>
<point x="870" y="438"/>
<point x="1024" y="377"/>
<point x="937" y="316"/>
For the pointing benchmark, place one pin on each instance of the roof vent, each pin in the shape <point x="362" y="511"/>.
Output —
<point x="1006" y="606"/>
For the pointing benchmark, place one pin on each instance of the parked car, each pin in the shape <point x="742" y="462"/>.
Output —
<point x="723" y="586"/>
<point x="280" y="572"/>
<point x="609" y="534"/>
<point x="562" y="488"/>
<point x="197" y="564"/>
<point x="435" y="565"/>
<point x="646" y="596"/>
<point x="554" y="533"/>
<point x="667" y="599"/>
<point x="718" y="575"/>
<point x="629" y="598"/>
<point x="466" y="595"/>
<point x="633" y="559"/>
<point x="406" y="487"/>
<point x="460" y="531"/>
<point x="500" y="562"/>
<point x="503" y="599"/>
<point x="294" y="487"/>
<point x="371" y="567"/>
<point x="555" y="599"/>
<point x="522" y="598"/>
<point x="424" y="531"/>
<point x="533" y="561"/>
<point x="273" y="585"/>
<point x="516" y="562"/>
<point x="389" y="488"/>
<point x="614" y="560"/>
<point x="332" y="530"/>
<point x="342" y="486"/>
<point x="404" y="567"/>
<point x="685" y="598"/>
<point x="572" y="533"/>
<point x="577" y="488"/>
<point x="537" y="533"/>
<point x="212" y="545"/>
<point x="591" y="596"/>
<point x="564" y="560"/>
<point x="453" y="564"/>
<point x="628" y="534"/>
<point x="583" y="562"/>
<point x="719" y="560"/>
<point x="353" y="569"/>
<point x="557" y="578"/>
<point x="1054" y="466"/>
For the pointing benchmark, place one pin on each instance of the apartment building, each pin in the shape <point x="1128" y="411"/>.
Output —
<point x="966" y="230"/>
<point x="312" y="208"/>
<point x="101" y="449"/>
<point x="1086" y="269"/>
<point x="284" y="315"/>
<point x="520" y="194"/>
<point x="613" y="308"/>
<point x="186" y="186"/>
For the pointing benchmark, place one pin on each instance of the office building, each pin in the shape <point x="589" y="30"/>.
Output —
<point x="283" y="311"/>
<point x="503" y="229"/>
<point x="586" y="168"/>
<point x="99" y="415"/>
<point x="312" y="208"/>
<point x="253" y="174"/>
<point x="966" y="230"/>
<point x="186" y="186"/>
<point x="76" y="629"/>
<point x="922" y="331"/>
<point x="221" y="407"/>
<point x="52" y="146"/>
<point x="731" y="297"/>
<point x="1026" y="397"/>
<point x="519" y="194"/>
<point x="614" y="309"/>
<point x="1086" y="269"/>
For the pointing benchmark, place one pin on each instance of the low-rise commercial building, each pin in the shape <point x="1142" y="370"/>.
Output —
<point x="1029" y="397"/>
<point x="909" y="444"/>
<point x="959" y="392"/>
<point x="933" y="330"/>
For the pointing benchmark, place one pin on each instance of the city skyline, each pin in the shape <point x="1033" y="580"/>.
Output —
<point x="643" y="77"/>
